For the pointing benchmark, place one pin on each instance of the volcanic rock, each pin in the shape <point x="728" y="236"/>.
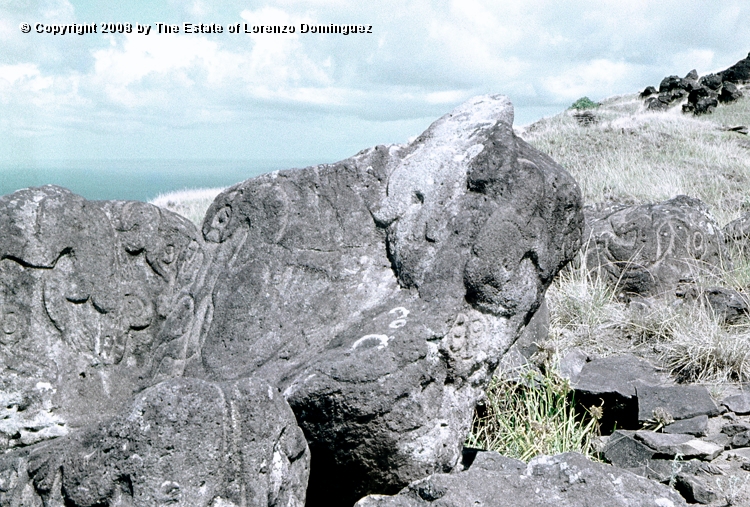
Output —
<point x="648" y="249"/>
<point x="90" y="291"/>
<point x="381" y="291"/>
<point x="566" y="480"/>
<point x="184" y="442"/>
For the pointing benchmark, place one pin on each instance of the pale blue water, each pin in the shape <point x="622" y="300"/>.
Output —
<point x="140" y="180"/>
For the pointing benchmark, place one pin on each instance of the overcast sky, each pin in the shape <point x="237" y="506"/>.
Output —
<point x="323" y="97"/>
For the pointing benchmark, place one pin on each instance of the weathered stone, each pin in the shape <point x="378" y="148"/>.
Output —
<point x="649" y="91"/>
<point x="669" y="83"/>
<point x="695" y="489"/>
<point x="671" y="445"/>
<point x="647" y="249"/>
<point x="624" y="451"/>
<point x="737" y="73"/>
<point x="711" y="81"/>
<point x="381" y="291"/>
<point x="572" y="363"/>
<point x="184" y="442"/>
<point x="612" y="380"/>
<point x="741" y="439"/>
<point x="696" y="426"/>
<point x="701" y="100"/>
<point x="90" y="292"/>
<point x="732" y="429"/>
<point x="738" y="403"/>
<point x="679" y="401"/>
<point x="566" y="480"/>
<point x="730" y="93"/>
<point x="728" y="305"/>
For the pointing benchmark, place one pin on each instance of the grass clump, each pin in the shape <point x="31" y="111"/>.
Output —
<point x="531" y="417"/>
<point x="584" y="103"/>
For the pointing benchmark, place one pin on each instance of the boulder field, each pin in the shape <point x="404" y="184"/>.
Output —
<point x="325" y="336"/>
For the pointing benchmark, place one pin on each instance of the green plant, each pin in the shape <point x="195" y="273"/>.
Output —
<point x="531" y="417"/>
<point x="584" y="103"/>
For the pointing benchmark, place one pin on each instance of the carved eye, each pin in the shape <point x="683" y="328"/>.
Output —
<point x="221" y="218"/>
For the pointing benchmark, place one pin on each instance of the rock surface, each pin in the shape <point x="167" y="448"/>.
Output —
<point x="564" y="480"/>
<point x="184" y="442"/>
<point x="610" y="383"/>
<point x="381" y="291"/>
<point x="648" y="249"/>
<point x="89" y="293"/>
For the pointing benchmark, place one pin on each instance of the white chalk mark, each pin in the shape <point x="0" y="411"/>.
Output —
<point x="383" y="339"/>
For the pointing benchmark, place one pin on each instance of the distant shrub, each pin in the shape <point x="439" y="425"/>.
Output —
<point x="584" y="103"/>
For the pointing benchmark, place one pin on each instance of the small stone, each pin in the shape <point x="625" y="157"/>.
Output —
<point x="695" y="489"/>
<point x="696" y="426"/>
<point x="741" y="439"/>
<point x="732" y="429"/>
<point x="624" y="451"/>
<point x="738" y="403"/>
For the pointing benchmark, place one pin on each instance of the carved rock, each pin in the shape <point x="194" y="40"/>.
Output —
<point x="381" y="291"/>
<point x="648" y="249"/>
<point x="90" y="291"/>
<point x="184" y="442"/>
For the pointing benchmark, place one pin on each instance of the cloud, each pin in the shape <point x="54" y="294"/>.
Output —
<point x="422" y="58"/>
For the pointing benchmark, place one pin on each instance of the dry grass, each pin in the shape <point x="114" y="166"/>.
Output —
<point x="192" y="204"/>
<point x="536" y="416"/>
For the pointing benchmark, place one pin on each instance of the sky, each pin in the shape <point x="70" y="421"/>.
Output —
<point x="323" y="97"/>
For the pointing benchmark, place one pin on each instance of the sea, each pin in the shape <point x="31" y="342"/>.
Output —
<point x="140" y="180"/>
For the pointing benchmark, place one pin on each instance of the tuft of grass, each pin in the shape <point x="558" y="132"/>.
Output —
<point x="702" y="350"/>
<point x="532" y="417"/>
<point x="584" y="103"/>
<point x="192" y="204"/>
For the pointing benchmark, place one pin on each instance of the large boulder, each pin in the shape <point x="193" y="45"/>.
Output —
<point x="89" y="292"/>
<point x="184" y="442"/>
<point x="737" y="73"/>
<point x="566" y="480"/>
<point x="648" y="249"/>
<point x="380" y="292"/>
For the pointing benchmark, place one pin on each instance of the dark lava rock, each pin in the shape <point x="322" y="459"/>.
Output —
<point x="649" y="91"/>
<point x="647" y="249"/>
<point x="695" y="489"/>
<point x="90" y="293"/>
<point x="625" y="451"/>
<point x="183" y="442"/>
<point x="711" y="81"/>
<point x="380" y="292"/>
<point x="730" y="93"/>
<point x="728" y="305"/>
<point x="612" y="381"/>
<point x="670" y="83"/>
<point x="738" y="73"/>
<point x="696" y="426"/>
<point x="566" y="480"/>
<point x="678" y="401"/>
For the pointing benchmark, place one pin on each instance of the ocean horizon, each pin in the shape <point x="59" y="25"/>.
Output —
<point x="135" y="179"/>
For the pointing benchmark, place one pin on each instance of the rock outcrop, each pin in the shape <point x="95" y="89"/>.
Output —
<point x="378" y="294"/>
<point x="183" y="442"/>
<point x="703" y="94"/>
<point x="381" y="292"/>
<point x="89" y="293"/>
<point x="649" y="249"/>
<point x="560" y="481"/>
